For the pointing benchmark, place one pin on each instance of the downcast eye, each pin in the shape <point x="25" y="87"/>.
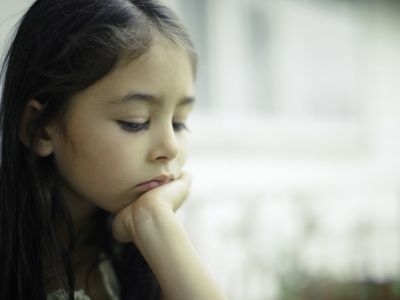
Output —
<point x="179" y="126"/>
<point x="135" y="127"/>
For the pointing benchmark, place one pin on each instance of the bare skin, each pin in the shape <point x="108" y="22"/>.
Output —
<point x="151" y="224"/>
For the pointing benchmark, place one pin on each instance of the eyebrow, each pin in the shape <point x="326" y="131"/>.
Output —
<point x="148" y="98"/>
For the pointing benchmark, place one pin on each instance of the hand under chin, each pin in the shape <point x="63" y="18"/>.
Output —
<point x="162" y="200"/>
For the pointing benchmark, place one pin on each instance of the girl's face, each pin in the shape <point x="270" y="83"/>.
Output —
<point x="126" y="129"/>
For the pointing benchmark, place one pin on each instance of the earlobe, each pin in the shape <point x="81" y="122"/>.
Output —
<point x="43" y="145"/>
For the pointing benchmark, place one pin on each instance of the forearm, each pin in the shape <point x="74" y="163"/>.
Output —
<point x="172" y="257"/>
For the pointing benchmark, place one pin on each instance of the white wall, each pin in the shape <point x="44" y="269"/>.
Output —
<point x="297" y="158"/>
<point x="10" y="12"/>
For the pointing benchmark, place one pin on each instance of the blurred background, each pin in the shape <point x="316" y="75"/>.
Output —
<point x="295" y="145"/>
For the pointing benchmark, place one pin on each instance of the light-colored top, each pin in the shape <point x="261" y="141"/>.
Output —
<point x="109" y="280"/>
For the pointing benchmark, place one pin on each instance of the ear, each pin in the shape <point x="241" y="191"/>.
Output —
<point x="43" y="145"/>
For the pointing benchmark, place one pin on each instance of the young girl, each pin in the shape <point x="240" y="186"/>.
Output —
<point x="95" y="98"/>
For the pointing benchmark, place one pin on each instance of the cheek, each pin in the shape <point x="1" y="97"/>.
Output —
<point x="183" y="154"/>
<point x="97" y="166"/>
<point x="114" y="159"/>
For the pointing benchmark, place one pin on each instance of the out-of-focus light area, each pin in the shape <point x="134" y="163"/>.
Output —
<point x="294" y="146"/>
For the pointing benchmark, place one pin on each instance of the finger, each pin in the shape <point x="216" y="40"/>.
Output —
<point x="173" y="193"/>
<point x="182" y="189"/>
<point x="120" y="230"/>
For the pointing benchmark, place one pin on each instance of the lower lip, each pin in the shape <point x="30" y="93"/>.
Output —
<point x="144" y="187"/>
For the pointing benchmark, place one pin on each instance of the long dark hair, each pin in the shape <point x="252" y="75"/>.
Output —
<point x="62" y="47"/>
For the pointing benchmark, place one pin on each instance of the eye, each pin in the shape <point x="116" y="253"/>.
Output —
<point x="134" y="127"/>
<point x="179" y="126"/>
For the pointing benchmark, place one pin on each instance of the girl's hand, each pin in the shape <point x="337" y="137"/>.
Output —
<point x="150" y="223"/>
<point x="166" y="198"/>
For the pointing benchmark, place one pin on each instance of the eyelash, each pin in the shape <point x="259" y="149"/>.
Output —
<point x="136" y="127"/>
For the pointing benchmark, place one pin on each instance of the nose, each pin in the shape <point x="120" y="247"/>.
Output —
<point x="166" y="146"/>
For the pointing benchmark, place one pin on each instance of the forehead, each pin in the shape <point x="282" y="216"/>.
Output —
<point x="164" y="71"/>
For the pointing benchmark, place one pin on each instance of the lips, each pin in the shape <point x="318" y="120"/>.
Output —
<point x="151" y="184"/>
